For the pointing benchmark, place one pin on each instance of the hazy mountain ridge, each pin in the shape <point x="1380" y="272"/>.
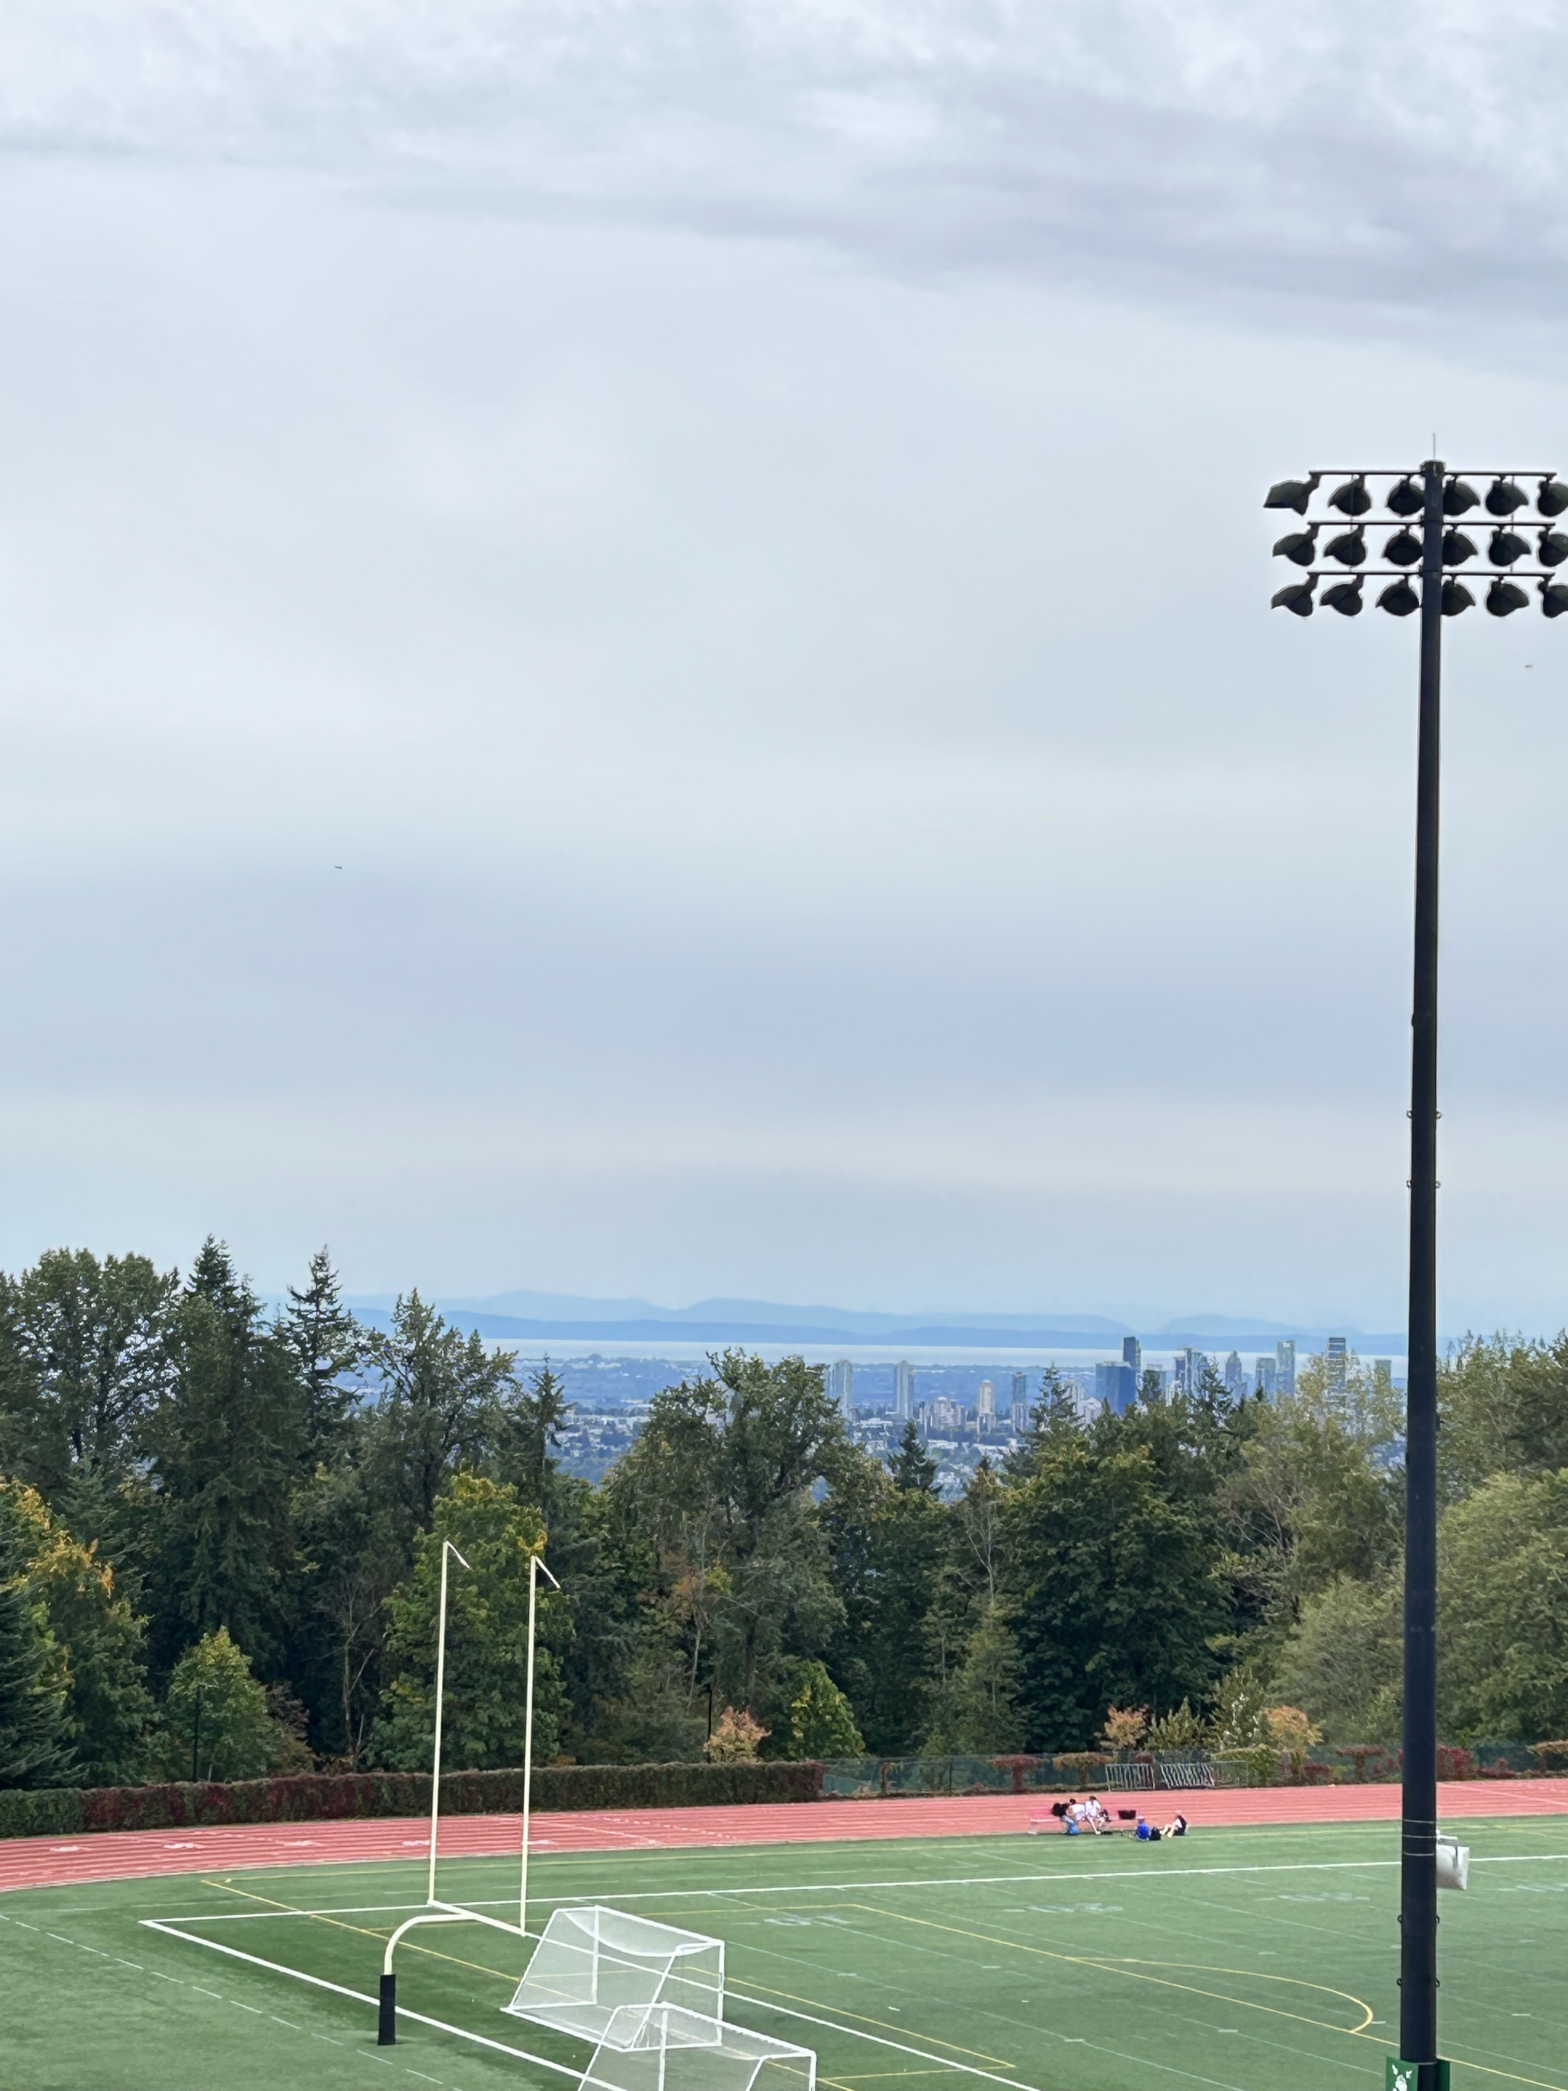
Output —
<point x="524" y="1316"/>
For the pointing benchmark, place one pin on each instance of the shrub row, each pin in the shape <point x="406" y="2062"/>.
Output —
<point x="335" y="1797"/>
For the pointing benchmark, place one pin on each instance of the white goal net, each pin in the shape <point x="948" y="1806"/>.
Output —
<point x="592" y="1964"/>
<point x="660" y="2047"/>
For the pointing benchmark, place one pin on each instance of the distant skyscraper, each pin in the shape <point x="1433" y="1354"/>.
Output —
<point x="1285" y="1367"/>
<point x="1190" y="1365"/>
<point x="985" y="1405"/>
<point x="1020" y="1395"/>
<point x="841" y="1385"/>
<point x="1132" y="1355"/>
<point x="1235" y="1378"/>
<point x="1383" y="1374"/>
<point x="1263" y="1378"/>
<point x="1335" y="1368"/>
<point x="903" y="1390"/>
<point x="1115" y="1386"/>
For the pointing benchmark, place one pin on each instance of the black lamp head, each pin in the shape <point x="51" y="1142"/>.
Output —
<point x="1457" y="548"/>
<point x="1345" y="597"/>
<point x="1352" y="498"/>
<point x="1456" y="598"/>
<point x="1403" y="548"/>
<point x="1295" y="596"/>
<point x="1406" y="498"/>
<point x="1554" y="598"/>
<point x="1553" y="548"/>
<point x="1504" y="597"/>
<point x="1349" y="548"/>
<point x="1552" y="497"/>
<point x="1293" y="493"/>
<point x="1399" y="599"/>
<point x="1506" y="547"/>
<point x="1298" y="544"/>
<point x="1458" y="496"/>
<point x="1503" y="497"/>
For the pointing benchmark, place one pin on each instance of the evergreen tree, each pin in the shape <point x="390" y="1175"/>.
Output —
<point x="227" y="1445"/>
<point x="912" y="1466"/>
<point x="33" y="1746"/>
<point x="328" y="1344"/>
<point x="441" y="1398"/>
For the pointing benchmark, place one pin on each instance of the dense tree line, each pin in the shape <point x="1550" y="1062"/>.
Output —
<point x="221" y="1528"/>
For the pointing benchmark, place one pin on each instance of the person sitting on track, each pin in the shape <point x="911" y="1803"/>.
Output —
<point x="1146" y="1832"/>
<point x="1096" y="1817"/>
<point x="1177" y="1826"/>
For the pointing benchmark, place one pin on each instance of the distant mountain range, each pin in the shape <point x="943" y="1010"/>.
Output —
<point x="538" y="1317"/>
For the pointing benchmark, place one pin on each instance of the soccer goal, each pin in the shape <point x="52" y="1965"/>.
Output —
<point x="661" y="2047"/>
<point x="595" y="1968"/>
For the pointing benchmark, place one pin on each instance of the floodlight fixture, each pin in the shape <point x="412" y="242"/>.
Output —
<point x="1506" y="547"/>
<point x="1457" y="548"/>
<point x="1345" y="597"/>
<point x="1350" y="548"/>
<point x="1504" y="597"/>
<point x="1553" y="548"/>
<point x="1456" y="598"/>
<point x="1405" y="498"/>
<point x="1503" y="496"/>
<point x="1296" y="596"/>
<point x="1296" y="493"/>
<point x="1551" y="497"/>
<point x="1352" y="498"/>
<point x="1299" y="545"/>
<point x="1459" y="497"/>
<point x="1404" y="548"/>
<point x="1554" y="598"/>
<point x="1399" y="598"/>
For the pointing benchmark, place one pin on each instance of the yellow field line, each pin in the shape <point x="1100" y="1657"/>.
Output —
<point x="363" y="1930"/>
<point x="1115" y="1967"/>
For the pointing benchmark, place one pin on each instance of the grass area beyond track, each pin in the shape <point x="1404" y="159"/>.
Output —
<point x="1248" y="1959"/>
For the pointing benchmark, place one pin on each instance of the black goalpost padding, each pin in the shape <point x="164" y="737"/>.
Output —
<point x="386" y="2030"/>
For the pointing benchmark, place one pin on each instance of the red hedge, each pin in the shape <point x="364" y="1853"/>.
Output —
<point x="334" y="1797"/>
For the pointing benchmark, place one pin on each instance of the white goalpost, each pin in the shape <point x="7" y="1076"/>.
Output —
<point x="648" y="1996"/>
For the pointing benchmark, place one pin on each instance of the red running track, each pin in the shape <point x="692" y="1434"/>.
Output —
<point x="27" y="1862"/>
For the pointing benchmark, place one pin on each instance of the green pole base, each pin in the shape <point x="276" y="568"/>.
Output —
<point x="1416" y="2076"/>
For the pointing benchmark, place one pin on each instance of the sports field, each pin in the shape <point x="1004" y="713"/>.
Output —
<point x="1254" y="1959"/>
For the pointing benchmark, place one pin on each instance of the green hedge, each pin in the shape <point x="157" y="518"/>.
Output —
<point x="330" y="1797"/>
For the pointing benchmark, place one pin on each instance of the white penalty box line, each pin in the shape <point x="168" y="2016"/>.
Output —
<point x="171" y="1929"/>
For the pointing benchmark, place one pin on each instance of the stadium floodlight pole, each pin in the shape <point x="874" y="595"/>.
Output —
<point x="535" y="1564"/>
<point x="435" y="1765"/>
<point x="1437" y="495"/>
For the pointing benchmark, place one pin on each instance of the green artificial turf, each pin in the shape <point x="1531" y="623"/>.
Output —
<point x="1248" y="1959"/>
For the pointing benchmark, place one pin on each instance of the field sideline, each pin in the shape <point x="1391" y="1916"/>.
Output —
<point x="125" y="1854"/>
<point x="1253" y="1957"/>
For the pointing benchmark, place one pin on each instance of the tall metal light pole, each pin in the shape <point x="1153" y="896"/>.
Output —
<point x="1437" y="496"/>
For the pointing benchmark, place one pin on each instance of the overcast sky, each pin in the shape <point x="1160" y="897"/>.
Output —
<point x="637" y="655"/>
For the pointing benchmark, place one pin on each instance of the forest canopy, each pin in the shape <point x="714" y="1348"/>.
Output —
<point x="221" y="1525"/>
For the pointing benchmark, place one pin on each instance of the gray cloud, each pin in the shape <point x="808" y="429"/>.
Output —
<point x="1324" y="152"/>
<point x="739" y="532"/>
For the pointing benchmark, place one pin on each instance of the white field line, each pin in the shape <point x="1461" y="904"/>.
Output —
<point x="274" y="1967"/>
<point x="844" y="1887"/>
<point x="561" y="2069"/>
